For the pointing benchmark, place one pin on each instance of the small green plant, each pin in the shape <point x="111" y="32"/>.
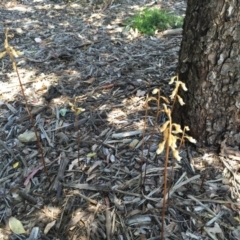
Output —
<point x="150" y="20"/>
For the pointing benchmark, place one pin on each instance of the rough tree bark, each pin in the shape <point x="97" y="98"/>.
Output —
<point x="209" y="64"/>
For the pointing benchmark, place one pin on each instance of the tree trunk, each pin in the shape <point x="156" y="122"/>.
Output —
<point x="209" y="64"/>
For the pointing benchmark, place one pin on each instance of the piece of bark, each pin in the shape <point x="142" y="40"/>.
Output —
<point x="57" y="185"/>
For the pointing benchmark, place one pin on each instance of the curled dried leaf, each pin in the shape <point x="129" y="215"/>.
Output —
<point x="175" y="90"/>
<point x="172" y="80"/>
<point x="176" y="154"/>
<point x="177" y="128"/>
<point x="172" y="141"/>
<point x="183" y="85"/>
<point x="165" y="134"/>
<point x="164" y="126"/>
<point x="161" y="147"/>
<point x="151" y="99"/>
<point x="16" y="53"/>
<point x="165" y="99"/>
<point x="191" y="139"/>
<point x="155" y="91"/>
<point x="173" y="94"/>
<point x="166" y="110"/>
<point x="2" y="54"/>
<point x="180" y="100"/>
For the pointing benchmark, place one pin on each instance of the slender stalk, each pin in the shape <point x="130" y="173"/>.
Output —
<point x="10" y="52"/>
<point x="78" y="139"/>
<point x="40" y="150"/>
<point x="165" y="174"/>
<point x="142" y="178"/>
<point x="155" y="121"/>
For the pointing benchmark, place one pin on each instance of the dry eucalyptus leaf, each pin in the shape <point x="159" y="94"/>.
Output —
<point x="91" y="155"/>
<point x="90" y="80"/>
<point x="140" y="93"/>
<point x="27" y="137"/>
<point x="34" y="235"/>
<point x="112" y="158"/>
<point x="133" y="143"/>
<point x="96" y="164"/>
<point x="91" y="177"/>
<point x="105" y="151"/>
<point x="49" y="226"/>
<point x="138" y="220"/>
<point x="74" y="163"/>
<point x="16" y="226"/>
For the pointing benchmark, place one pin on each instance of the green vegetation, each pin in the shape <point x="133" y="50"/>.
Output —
<point x="151" y="19"/>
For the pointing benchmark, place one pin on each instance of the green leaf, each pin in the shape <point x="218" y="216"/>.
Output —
<point x="63" y="112"/>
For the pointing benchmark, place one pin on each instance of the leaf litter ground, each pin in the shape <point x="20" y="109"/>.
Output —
<point x="80" y="54"/>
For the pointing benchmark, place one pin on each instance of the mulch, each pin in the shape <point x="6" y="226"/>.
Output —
<point x="86" y="76"/>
